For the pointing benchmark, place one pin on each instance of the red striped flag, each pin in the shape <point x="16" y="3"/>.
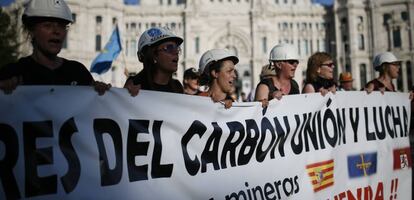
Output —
<point x="321" y="174"/>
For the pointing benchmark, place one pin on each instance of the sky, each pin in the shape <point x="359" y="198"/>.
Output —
<point x="325" y="2"/>
<point x="5" y="2"/>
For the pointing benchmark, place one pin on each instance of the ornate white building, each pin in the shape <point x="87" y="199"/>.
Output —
<point x="250" y="28"/>
<point x="366" y="28"/>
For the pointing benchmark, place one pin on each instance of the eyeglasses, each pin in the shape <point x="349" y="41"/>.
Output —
<point x="395" y="63"/>
<point x="170" y="49"/>
<point x="54" y="26"/>
<point x="292" y="62"/>
<point x="331" y="65"/>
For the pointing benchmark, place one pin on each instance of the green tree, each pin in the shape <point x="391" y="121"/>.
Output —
<point x="9" y="44"/>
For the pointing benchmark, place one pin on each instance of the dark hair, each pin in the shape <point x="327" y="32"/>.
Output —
<point x="191" y="73"/>
<point x="206" y="78"/>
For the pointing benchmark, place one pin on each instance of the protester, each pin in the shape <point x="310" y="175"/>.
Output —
<point x="284" y="60"/>
<point x="319" y="74"/>
<point x="388" y="67"/>
<point x="217" y="70"/>
<point x="47" y="23"/>
<point x="191" y="81"/>
<point x="266" y="72"/>
<point x="158" y="50"/>
<point x="345" y="82"/>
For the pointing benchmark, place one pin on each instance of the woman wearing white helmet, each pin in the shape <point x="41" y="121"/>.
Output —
<point x="217" y="70"/>
<point x="388" y="67"/>
<point x="158" y="50"/>
<point x="283" y="62"/>
<point x="319" y="74"/>
<point x="46" y="22"/>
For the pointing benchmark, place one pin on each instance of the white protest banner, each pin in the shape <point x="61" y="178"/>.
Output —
<point x="69" y="143"/>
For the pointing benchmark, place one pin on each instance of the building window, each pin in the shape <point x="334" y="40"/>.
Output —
<point x="98" y="20"/>
<point x="161" y="2"/>
<point x="264" y="44"/>
<point x="299" y="46"/>
<point x="98" y="40"/>
<point x="180" y="1"/>
<point x="396" y="36"/>
<point x="400" y="85"/>
<point x="169" y="2"/>
<point x="386" y="17"/>
<point x="323" y="45"/>
<point x="306" y="47"/>
<point x="318" y="45"/>
<point x="133" y="26"/>
<point x="294" y="1"/>
<point x="409" y="76"/>
<point x="65" y="43"/>
<point x="127" y="48"/>
<point x="404" y="16"/>
<point x="285" y="1"/>
<point x="133" y="48"/>
<point x="285" y="26"/>
<point x="197" y="44"/>
<point x="74" y="17"/>
<point x="361" y="42"/>
<point x="363" y="74"/>
<point x="114" y="20"/>
<point x="173" y="25"/>
<point x="311" y="45"/>
<point x="277" y="1"/>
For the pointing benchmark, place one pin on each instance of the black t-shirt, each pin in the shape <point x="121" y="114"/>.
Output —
<point x="322" y="83"/>
<point x="33" y="73"/>
<point x="294" y="87"/>
<point x="173" y="86"/>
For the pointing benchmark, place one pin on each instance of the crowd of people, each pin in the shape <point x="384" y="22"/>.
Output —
<point x="46" y="23"/>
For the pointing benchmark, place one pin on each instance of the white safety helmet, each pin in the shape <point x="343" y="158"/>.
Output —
<point x="48" y="8"/>
<point x="386" y="57"/>
<point x="154" y="35"/>
<point x="283" y="52"/>
<point x="215" y="55"/>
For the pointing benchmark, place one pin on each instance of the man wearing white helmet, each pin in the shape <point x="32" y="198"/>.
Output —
<point x="283" y="60"/>
<point x="388" y="67"/>
<point x="217" y="70"/>
<point x="158" y="50"/>
<point x="46" y="22"/>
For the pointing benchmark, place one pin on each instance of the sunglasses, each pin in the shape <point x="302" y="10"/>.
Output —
<point x="170" y="49"/>
<point x="292" y="62"/>
<point x="331" y="65"/>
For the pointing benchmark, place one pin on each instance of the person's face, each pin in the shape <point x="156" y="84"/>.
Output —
<point x="192" y="83"/>
<point x="393" y="70"/>
<point x="48" y="36"/>
<point x="347" y="85"/>
<point x="226" y="76"/>
<point x="287" y="68"/>
<point x="167" y="56"/>
<point x="326" y="69"/>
